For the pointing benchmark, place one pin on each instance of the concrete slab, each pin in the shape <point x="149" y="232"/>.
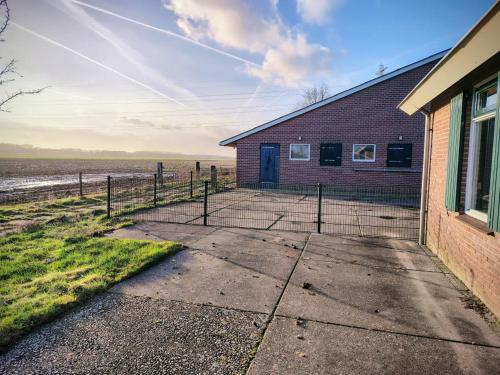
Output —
<point x="241" y="222"/>
<point x="115" y="334"/>
<point x="331" y="349"/>
<point x="240" y="268"/>
<point x="293" y="225"/>
<point x="202" y="278"/>
<point x="253" y="241"/>
<point x="336" y="207"/>
<point x="368" y="252"/>
<point x="296" y="222"/>
<point x="177" y="213"/>
<point x="280" y="196"/>
<point x="414" y="302"/>
<point x="334" y="222"/>
<point x="184" y="234"/>
<point x="269" y="253"/>
<point x="389" y="224"/>
<point x="266" y="207"/>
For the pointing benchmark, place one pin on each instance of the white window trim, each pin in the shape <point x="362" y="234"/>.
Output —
<point x="299" y="159"/>
<point x="473" y="160"/>
<point x="364" y="160"/>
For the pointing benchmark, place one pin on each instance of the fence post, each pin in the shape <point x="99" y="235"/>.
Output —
<point x="108" y="201"/>
<point x="198" y="169"/>
<point x="320" y="197"/>
<point x="213" y="177"/>
<point x="191" y="184"/>
<point x="205" y="205"/>
<point x="154" y="190"/>
<point x="159" y="172"/>
<point x="80" y="183"/>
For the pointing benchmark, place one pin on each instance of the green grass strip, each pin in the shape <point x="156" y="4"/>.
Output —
<point x="50" y="267"/>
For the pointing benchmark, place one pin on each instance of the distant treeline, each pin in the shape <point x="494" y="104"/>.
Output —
<point x="8" y="150"/>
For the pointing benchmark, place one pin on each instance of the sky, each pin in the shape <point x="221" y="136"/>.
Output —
<point x="181" y="75"/>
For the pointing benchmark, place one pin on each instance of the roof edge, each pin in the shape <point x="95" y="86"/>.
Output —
<point x="333" y="98"/>
<point x="451" y="52"/>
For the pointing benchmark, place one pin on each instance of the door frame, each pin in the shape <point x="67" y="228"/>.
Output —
<point x="278" y="146"/>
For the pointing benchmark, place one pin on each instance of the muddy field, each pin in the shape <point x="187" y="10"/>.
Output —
<point x="23" y="180"/>
<point x="47" y="167"/>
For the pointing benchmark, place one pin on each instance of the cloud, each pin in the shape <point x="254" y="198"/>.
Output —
<point x="255" y="27"/>
<point x="316" y="11"/>
<point x="163" y="31"/>
<point x="291" y="62"/>
<point x="230" y="23"/>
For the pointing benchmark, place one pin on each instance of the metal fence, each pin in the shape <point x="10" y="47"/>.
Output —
<point x="84" y="184"/>
<point x="389" y="213"/>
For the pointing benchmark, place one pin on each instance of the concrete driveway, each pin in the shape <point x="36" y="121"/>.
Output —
<point x="269" y="302"/>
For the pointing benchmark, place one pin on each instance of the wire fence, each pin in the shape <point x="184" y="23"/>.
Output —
<point x="389" y="213"/>
<point x="85" y="184"/>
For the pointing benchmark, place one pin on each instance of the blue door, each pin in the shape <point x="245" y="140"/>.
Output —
<point x="269" y="164"/>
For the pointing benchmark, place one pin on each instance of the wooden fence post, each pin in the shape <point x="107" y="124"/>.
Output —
<point x="198" y="170"/>
<point x="80" y="182"/>
<point x="159" y="172"/>
<point x="213" y="177"/>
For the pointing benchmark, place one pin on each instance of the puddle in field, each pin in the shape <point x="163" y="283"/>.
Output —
<point x="10" y="184"/>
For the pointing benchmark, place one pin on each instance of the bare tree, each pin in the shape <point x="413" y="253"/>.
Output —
<point x="313" y="95"/>
<point x="8" y="72"/>
<point x="381" y="70"/>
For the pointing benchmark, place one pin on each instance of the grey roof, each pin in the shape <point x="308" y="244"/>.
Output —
<point x="333" y="98"/>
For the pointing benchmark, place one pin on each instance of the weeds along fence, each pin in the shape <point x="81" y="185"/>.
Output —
<point x="390" y="213"/>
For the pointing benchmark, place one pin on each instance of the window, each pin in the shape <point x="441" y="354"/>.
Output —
<point x="399" y="155"/>
<point x="485" y="99"/>
<point x="330" y="154"/>
<point x="300" y="151"/>
<point x="481" y="151"/>
<point x="363" y="152"/>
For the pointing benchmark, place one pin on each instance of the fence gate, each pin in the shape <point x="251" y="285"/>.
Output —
<point x="386" y="213"/>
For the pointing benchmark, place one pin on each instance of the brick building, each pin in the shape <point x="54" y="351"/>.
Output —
<point x="357" y="138"/>
<point x="460" y="221"/>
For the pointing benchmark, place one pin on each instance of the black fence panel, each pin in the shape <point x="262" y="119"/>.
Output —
<point x="388" y="213"/>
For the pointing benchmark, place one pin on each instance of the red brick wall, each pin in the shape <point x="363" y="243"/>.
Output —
<point x="471" y="254"/>
<point x="369" y="116"/>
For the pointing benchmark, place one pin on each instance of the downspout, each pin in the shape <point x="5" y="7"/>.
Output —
<point x="425" y="176"/>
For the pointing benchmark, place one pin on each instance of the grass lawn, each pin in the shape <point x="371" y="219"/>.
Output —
<point x="51" y="208"/>
<point x="49" y="267"/>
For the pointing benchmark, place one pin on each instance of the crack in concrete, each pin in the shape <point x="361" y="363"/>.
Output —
<point x="273" y="312"/>
<point x="392" y="332"/>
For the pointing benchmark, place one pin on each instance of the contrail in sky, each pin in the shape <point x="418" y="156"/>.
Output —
<point x="175" y="35"/>
<point x="53" y="42"/>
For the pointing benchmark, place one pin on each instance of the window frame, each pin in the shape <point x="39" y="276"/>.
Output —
<point x="483" y="85"/>
<point x="473" y="151"/>
<point x="299" y="159"/>
<point x="364" y="160"/>
<point x="339" y="144"/>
